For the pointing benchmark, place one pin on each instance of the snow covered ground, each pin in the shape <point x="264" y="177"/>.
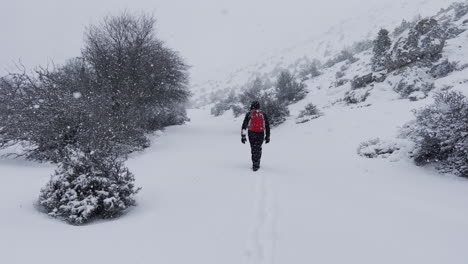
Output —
<point x="314" y="201"/>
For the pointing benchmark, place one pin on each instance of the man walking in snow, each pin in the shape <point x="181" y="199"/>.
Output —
<point x="258" y="126"/>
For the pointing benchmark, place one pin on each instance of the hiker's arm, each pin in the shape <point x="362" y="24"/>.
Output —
<point x="267" y="127"/>
<point x="245" y="124"/>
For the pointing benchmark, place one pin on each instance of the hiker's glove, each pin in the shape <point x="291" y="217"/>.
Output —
<point x="267" y="140"/>
<point x="243" y="140"/>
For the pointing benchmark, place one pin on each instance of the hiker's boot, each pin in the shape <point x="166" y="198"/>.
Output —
<point x="256" y="166"/>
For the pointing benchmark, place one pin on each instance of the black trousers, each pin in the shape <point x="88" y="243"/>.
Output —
<point x="256" y="141"/>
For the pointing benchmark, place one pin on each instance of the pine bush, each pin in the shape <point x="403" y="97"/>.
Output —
<point x="440" y="132"/>
<point x="309" y="113"/>
<point x="288" y="90"/>
<point x="88" y="186"/>
<point x="381" y="47"/>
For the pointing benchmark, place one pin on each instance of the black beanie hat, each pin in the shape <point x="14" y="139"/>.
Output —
<point x="255" y="105"/>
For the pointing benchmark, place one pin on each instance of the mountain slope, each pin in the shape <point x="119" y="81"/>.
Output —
<point x="362" y="26"/>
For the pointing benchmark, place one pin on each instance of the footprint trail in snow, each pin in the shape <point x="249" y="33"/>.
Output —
<point x="261" y="248"/>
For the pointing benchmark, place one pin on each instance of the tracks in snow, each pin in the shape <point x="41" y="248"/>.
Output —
<point x="262" y="244"/>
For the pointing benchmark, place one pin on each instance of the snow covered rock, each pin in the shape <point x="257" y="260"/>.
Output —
<point x="443" y="69"/>
<point x="412" y="82"/>
<point x="376" y="148"/>
<point x="356" y="96"/>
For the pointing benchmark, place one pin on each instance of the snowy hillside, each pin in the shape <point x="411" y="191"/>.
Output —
<point x="359" y="27"/>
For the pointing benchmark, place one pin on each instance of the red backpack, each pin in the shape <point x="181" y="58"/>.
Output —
<point x="257" y="123"/>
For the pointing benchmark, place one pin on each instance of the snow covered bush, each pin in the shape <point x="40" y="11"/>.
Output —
<point x="404" y="25"/>
<point x="277" y="111"/>
<point x="274" y="99"/>
<point x="309" y="113"/>
<point x="362" y="81"/>
<point x="443" y="69"/>
<point x="252" y="91"/>
<point x="310" y="71"/>
<point x="231" y="102"/>
<point x="461" y="9"/>
<point x="263" y="92"/>
<point x="220" y="108"/>
<point x="341" y="82"/>
<point x="45" y="112"/>
<point x="288" y="89"/>
<point x="164" y="116"/>
<point x="413" y="89"/>
<point x="361" y="46"/>
<point x="413" y="82"/>
<point x="356" y="96"/>
<point x="440" y="133"/>
<point x="88" y="186"/>
<point x="376" y="148"/>
<point x="136" y="71"/>
<point x="344" y="55"/>
<point x="339" y="74"/>
<point x="424" y="44"/>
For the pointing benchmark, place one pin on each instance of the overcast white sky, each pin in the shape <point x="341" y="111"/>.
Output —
<point x="210" y="34"/>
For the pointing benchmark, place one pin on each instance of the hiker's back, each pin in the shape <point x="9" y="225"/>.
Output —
<point x="257" y="122"/>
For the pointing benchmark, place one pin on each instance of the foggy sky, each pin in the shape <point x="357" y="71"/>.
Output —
<point x="212" y="35"/>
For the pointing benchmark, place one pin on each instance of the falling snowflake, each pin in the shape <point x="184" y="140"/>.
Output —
<point x="77" y="95"/>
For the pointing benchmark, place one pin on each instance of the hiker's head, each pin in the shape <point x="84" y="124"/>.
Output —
<point x="255" y="105"/>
